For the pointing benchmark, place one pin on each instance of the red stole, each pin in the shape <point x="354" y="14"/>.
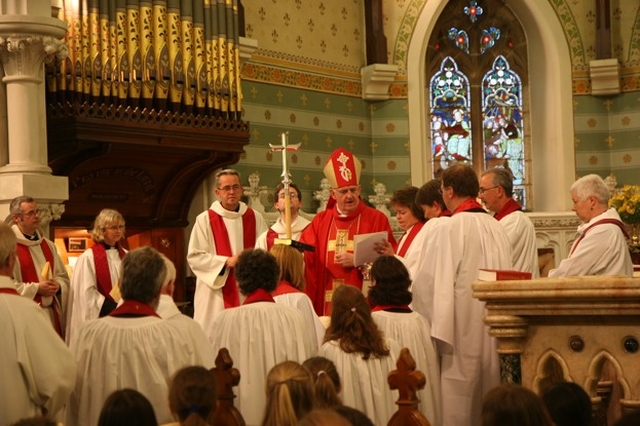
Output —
<point x="259" y="295"/>
<point x="600" y="222"/>
<point x="9" y="291"/>
<point x="510" y="207"/>
<point x="30" y="275"/>
<point x="389" y="307"/>
<point x="133" y="308"/>
<point x="271" y="237"/>
<point x="409" y="238"/>
<point x="469" y="205"/>
<point x="103" y="276"/>
<point x="223" y="248"/>
<point x="285" y="288"/>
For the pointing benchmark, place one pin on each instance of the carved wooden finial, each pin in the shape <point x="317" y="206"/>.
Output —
<point x="407" y="381"/>
<point x="227" y="378"/>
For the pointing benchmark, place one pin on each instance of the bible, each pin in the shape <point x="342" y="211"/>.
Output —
<point x="502" y="274"/>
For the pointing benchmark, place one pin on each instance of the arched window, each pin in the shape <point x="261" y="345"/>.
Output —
<point x="477" y="74"/>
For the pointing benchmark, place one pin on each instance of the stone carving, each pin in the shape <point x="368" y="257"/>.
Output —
<point x="254" y="191"/>
<point x="322" y="195"/>
<point x="380" y="199"/>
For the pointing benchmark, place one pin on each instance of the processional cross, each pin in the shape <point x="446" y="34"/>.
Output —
<point x="286" y="181"/>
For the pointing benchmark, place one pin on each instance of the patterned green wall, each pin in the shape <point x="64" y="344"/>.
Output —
<point x="321" y="122"/>
<point x="305" y="79"/>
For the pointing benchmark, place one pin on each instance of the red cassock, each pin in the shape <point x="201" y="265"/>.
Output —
<point x="331" y="233"/>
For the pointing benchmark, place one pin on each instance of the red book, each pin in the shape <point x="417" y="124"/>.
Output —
<point x="502" y="274"/>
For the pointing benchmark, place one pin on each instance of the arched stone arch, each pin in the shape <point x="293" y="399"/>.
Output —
<point x="551" y="115"/>
<point x="542" y="374"/>
<point x="595" y="370"/>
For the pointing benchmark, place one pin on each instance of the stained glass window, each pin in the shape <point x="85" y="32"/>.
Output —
<point x="450" y="108"/>
<point x="477" y="73"/>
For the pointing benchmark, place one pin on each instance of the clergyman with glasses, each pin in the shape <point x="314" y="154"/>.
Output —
<point x="218" y="236"/>
<point x="48" y="285"/>
<point x="279" y="229"/>
<point x="331" y="232"/>
<point x="96" y="272"/>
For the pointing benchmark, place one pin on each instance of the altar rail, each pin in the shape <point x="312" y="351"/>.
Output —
<point x="579" y="329"/>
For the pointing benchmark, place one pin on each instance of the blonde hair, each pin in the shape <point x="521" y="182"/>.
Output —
<point x="290" y="394"/>
<point x="327" y="381"/>
<point x="291" y="265"/>
<point x="106" y="218"/>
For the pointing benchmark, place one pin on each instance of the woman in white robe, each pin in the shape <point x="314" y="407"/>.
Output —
<point x="260" y="333"/>
<point x="96" y="272"/>
<point x="290" y="289"/>
<point x="360" y="352"/>
<point x="390" y="297"/>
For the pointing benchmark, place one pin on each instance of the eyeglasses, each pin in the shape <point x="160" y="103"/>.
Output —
<point x="228" y="188"/>
<point x="115" y="228"/>
<point x="291" y="195"/>
<point x="483" y="190"/>
<point x="345" y="191"/>
<point x="31" y="213"/>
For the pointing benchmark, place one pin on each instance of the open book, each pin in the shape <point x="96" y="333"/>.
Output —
<point x="502" y="274"/>
<point x="363" y="247"/>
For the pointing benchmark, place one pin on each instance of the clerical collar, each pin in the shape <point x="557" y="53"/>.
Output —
<point x="108" y="247"/>
<point x="33" y="237"/>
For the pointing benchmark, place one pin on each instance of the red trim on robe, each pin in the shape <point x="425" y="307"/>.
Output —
<point x="389" y="307"/>
<point x="320" y="270"/>
<point x="223" y="248"/>
<point x="259" y="295"/>
<point x="9" y="291"/>
<point x="30" y="275"/>
<point x="285" y="288"/>
<point x="101" y="264"/>
<point x="271" y="237"/>
<point x="409" y="239"/>
<point x="600" y="222"/>
<point x="469" y="205"/>
<point x="445" y="213"/>
<point x="510" y="207"/>
<point x="133" y="308"/>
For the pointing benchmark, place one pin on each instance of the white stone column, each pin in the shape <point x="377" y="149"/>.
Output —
<point x="29" y="36"/>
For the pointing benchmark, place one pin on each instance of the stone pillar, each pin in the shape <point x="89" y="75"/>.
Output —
<point x="29" y="36"/>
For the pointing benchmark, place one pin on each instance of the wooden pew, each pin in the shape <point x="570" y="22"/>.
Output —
<point x="408" y="381"/>
<point x="227" y="378"/>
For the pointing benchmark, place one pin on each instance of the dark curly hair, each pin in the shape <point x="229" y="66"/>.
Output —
<point x="256" y="269"/>
<point x="392" y="282"/>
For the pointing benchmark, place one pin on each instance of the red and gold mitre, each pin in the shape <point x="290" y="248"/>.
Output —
<point x="342" y="169"/>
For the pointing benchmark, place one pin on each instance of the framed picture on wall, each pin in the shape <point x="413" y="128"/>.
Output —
<point x="77" y="245"/>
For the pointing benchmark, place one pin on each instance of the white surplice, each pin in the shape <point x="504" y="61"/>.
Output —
<point x="422" y="267"/>
<point x="37" y="369"/>
<point x="364" y="382"/>
<point x="297" y="226"/>
<point x="602" y="251"/>
<point x="522" y="236"/>
<point x="60" y="276"/>
<point x="208" y="266"/>
<point x="469" y="363"/>
<point x="168" y="310"/>
<point x="302" y="302"/>
<point x="86" y="300"/>
<point x="141" y="353"/>
<point x="412" y="331"/>
<point x="258" y="336"/>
